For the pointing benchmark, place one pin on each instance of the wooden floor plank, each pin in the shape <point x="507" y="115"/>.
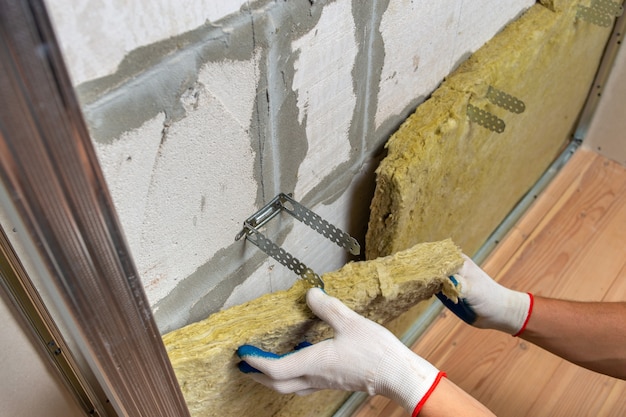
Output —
<point x="570" y="244"/>
<point x="556" y="399"/>
<point x="618" y="287"/>
<point x="591" y="275"/>
<point x="565" y="185"/>
<point x="614" y="406"/>
<point x="563" y="234"/>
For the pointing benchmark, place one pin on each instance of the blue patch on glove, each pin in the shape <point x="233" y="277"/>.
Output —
<point x="246" y="368"/>
<point x="302" y="345"/>
<point x="462" y="309"/>
<point x="249" y="350"/>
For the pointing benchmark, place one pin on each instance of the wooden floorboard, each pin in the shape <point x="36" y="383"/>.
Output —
<point x="570" y="244"/>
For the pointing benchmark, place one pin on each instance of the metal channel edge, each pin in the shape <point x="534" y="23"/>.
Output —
<point x="602" y="75"/>
<point x="54" y="191"/>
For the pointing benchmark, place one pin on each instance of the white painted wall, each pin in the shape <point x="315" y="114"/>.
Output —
<point x="182" y="200"/>
<point x="28" y="385"/>
<point x="606" y="130"/>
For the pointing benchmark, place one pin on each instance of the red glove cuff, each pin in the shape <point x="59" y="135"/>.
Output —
<point x="420" y="404"/>
<point x="530" y="310"/>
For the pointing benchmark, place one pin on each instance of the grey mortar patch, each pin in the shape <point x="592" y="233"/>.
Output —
<point x="282" y="140"/>
<point x="367" y="70"/>
<point x="276" y="128"/>
<point x="152" y="79"/>
<point x="364" y="141"/>
<point x="137" y="61"/>
<point x="281" y="145"/>
<point x="211" y="285"/>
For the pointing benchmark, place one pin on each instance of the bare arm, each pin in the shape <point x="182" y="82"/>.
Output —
<point x="450" y="400"/>
<point x="589" y="334"/>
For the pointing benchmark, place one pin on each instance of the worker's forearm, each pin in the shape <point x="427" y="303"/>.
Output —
<point x="592" y="335"/>
<point x="448" y="400"/>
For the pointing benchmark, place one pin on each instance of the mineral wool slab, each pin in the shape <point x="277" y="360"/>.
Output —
<point x="203" y="353"/>
<point x="444" y="175"/>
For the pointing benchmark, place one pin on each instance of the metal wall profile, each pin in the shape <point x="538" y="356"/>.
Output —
<point x="32" y="309"/>
<point x="51" y="183"/>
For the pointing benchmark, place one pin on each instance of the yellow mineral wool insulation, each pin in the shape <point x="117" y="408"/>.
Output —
<point x="447" y="176"/>
<point x="556" y="5"/>
<point x="203" y="353"/>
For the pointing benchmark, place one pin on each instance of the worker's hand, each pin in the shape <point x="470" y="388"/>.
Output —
<point x="486" y="304"/>
<point x="362" y="356"/>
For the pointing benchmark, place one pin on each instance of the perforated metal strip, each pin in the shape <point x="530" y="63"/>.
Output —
<point x="285" y="258"/>
<point x="608" y="7"/>
<point x="284" y="202"/>
<point x="485" y="119"/>
<point x="321" y="226"/>
<point x="594" y="16"/>
<point x="506" y="101"/>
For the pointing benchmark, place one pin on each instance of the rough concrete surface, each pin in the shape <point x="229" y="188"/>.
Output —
<point x="200" y="116"/>
<point x="97" y="50"/>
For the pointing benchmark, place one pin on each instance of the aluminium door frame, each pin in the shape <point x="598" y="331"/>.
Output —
<point x="81" y="294"/>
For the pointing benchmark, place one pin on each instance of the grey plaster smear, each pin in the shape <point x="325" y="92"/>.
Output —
<point x="205" y="291"/>
<point x="143" y="88"/>
<point x="161" y="78"/>
<point x="152" y="79"/>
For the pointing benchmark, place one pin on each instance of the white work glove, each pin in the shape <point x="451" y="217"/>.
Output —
<point x="486" y="304"/>
<point x="362" y="356"/>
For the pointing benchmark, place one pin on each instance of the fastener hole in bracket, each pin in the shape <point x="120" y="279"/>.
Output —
<point x="288" y="205"/>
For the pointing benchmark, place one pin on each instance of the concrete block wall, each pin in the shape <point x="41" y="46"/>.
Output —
<point x="202" y="112"/>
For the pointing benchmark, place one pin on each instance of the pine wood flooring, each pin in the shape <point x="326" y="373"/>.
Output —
<point x="570" y="244"/>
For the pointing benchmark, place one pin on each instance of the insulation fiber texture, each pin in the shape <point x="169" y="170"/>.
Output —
<point x="445" y="175"/>
<point x="203" y="353"/>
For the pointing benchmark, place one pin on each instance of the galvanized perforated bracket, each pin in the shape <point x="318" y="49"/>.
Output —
<point x="506" y="101"/>
<point x="594" y="16"/>
<point x="600" y="12"/>
<point x="489" y="120"/>
<point x="608" y="7"/>
<point x="284" y="203"/>
<point x="485" y="119"/>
